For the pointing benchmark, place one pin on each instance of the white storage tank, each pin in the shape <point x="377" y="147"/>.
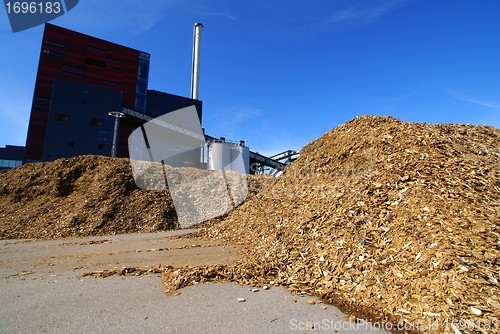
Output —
<point x="220" y="156"/>
<point x="240" y="159"/>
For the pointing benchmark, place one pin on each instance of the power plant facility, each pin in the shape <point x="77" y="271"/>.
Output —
<point x="91" y="97"/>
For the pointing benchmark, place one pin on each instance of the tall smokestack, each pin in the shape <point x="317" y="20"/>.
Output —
<point x="195" y="75"/>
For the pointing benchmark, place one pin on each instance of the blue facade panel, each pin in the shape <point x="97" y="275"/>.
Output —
<point x="11" y="156"/>
<point x="78" y="122"/>
<point x="159" y="103"/>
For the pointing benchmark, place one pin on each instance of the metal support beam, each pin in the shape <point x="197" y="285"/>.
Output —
<point x="116" y="133"/>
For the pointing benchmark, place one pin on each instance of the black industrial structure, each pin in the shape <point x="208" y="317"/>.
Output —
<point x="94" y="62"/>
<point x="11" y="156"/>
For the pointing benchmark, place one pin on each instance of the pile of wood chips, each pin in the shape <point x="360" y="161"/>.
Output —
<point x="389" y="219"/>
<point x="88" y="196"/>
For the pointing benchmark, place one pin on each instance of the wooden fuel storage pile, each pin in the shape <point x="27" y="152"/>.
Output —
<point x="86" y="196"/>
<point x="392" y="220"/>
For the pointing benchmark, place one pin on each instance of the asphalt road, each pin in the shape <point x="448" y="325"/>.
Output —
<point x="40" y="291"/>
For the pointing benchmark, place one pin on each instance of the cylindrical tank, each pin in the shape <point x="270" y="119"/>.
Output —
<point x="220" y="156"/>
<point x="240" y="159"/>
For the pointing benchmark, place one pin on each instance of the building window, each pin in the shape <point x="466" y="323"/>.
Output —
<point x="100" y="146"/>
<point x="73" y="67"/>
<point x="94" y="62"/>
<point x="41" y="106"/>
<point x="112" y="83"/>
<point x="96" y="122"/>
<point x="54" y="43"/>
<point x="53" y="53"/>
<point x="104" y="139"/>
<point x="10" y="163"/>
<point x="165" y="110"/>
<point x="143" y="70"/>
<point x="61" y="117"/>
<point x="114" y="59"/>
<point x="114" y="68"/>
<point x="73" y="74"/>
<point x="162" y="107"/>
<point x="84" y="102"/>
<point x="42" y="98"/>
<point x="97" y="49"/>
<point x="105" y="132"/>
<point x="71" y="144"/>
<point x="140" y="102"/>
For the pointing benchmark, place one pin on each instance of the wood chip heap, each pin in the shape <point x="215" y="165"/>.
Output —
<point x="87" y="196"/>
<point x="395" y="220"/>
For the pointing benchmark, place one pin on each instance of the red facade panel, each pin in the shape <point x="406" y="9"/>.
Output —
<point x="114" y="63"/>
<point x="93" y="72"/>
<point x="56" y="50"/>
<point x="129" y="77"/>
<point x="50" y="70"/>
<point x="126" y="128"/>
<point x="98" y="43"/>
<point x="73" y="70"/>
<point x="77" y="40"/>
<point x="74" y="58"/>
<point x="94" y="54"/>
<point x="90" y="81"/>
<point x="115" y="52"/>
<point x="55" y="34"/>
<point x="72" y="77"/>
<point x="43" y="89"/>
<point x="112" y="75"/>
<point x="128" y="95"/>
<point x="102" y="64"/>
<point x="131" y="54"/>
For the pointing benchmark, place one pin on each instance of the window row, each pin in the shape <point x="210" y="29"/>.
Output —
<point x="93" y="121"/>
<point x="72" y="144"/>
<point x="142" y="55"/>
<point x="10" y="163"/>
<point x="54" y="43"/>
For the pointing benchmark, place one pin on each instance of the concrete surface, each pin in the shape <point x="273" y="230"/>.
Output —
<point x="63" y="303"/>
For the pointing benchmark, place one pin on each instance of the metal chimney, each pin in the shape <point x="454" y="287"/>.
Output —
<point x="195" y="75"/>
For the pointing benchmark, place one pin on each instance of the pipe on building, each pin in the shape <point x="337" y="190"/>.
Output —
<point x="116" y="133"/>
<point x="195" y="75"/>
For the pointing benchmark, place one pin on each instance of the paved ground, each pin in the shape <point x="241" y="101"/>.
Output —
<point x="40" y="292"/>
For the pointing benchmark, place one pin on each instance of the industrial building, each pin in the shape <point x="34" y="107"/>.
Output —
<point x="76" y="57"/>
<point x="11" y="156"/>
<point x="81" y="79"/>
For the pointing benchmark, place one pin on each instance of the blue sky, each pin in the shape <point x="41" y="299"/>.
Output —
<point x="281" y="73"/>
